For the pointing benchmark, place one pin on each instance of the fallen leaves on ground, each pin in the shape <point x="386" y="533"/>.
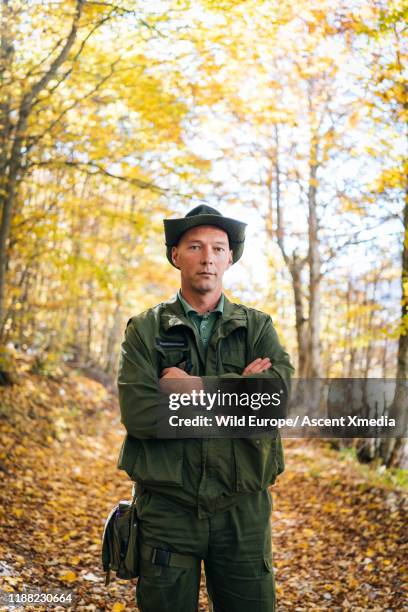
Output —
<point x="337" y="540"/>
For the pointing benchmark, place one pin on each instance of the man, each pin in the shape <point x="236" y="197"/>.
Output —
<point x="200" y="499"/>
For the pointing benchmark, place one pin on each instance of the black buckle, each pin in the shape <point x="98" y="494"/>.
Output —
<point x="160" y="556"/>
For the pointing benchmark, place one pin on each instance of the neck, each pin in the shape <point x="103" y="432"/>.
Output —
<point x="202" y="302"/>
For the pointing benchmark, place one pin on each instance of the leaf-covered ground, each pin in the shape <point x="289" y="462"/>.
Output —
<point x="338" y="534"/>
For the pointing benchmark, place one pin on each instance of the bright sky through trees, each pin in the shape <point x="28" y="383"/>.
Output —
<point x="291" y="117"/>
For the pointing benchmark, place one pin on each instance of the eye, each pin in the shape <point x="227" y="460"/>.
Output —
<point x="219" y="249"/>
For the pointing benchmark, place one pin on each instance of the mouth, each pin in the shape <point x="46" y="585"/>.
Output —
<point x="206" y="274"/>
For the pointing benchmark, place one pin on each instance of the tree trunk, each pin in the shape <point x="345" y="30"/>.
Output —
<point x="314" y="368"/>
<point x="392" y="450"/>
<point x="295" y="268"/>
<point x="13" y="162"/>
<point x="293" y="262"/>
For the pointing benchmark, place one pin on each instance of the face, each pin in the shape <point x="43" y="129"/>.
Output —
<point x="202" y="255"/>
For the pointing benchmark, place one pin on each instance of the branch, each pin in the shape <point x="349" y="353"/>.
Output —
<point x="34" y="69"/>
<point x="35" y="140"/>
<point x="59" y="60"/>
<point x="93" y="169"/>
<point x="27" y="101"/>
<point x="123" y="11"/>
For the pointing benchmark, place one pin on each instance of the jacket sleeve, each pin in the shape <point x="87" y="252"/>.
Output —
<point x="138" y="386"/>
<point x="266" y="344"/>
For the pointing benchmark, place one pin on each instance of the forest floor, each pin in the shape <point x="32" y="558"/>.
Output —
<point x="338" y="527"/>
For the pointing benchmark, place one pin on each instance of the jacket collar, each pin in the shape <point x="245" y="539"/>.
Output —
<point x="189" y="309"/>
<point x="173" y="314"/>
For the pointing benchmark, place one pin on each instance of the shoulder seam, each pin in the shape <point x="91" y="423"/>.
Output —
<point x="256" y="310"/>
<point x="147" y="311"/>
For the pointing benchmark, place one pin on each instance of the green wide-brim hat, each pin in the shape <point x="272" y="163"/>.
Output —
<point x="205" y="215"/>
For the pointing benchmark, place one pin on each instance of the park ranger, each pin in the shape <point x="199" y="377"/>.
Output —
<point x="200" y="498"/>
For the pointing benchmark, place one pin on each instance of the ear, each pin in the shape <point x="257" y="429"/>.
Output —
<point x="174" y="255"/>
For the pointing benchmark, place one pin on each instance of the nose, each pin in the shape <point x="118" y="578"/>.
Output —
<point x="207" y="255"/>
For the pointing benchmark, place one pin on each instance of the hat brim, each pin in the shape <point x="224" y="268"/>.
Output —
<point x="175" y="228"/>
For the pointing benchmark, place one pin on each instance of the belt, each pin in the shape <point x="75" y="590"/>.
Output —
<point x="159" y="556"/>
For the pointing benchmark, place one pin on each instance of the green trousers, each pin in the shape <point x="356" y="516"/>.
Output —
<point x="235" y="546"/>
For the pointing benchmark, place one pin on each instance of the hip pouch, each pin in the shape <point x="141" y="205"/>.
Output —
<point x="120" y="546"/>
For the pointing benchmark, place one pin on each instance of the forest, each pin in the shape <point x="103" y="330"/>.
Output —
<point x="117" y="114"/>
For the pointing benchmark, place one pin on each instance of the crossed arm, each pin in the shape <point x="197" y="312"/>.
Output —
<point x="137" y="377"/>
<point x="168" y="374"/>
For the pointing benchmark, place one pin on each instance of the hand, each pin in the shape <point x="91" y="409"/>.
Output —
<point x="168" y="384"/>
<point x="257" y="366"/>
<point x="173" y="372"/>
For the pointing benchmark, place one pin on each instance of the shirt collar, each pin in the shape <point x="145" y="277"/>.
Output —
<point x="188" y="308"/>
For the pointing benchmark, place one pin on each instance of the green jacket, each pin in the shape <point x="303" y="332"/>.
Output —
<point x="205" y="475"/>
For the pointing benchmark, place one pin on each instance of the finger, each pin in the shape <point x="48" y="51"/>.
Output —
<point x="254" y="362"/>
<point x="259" y="369"/>
<point x="263" y="360"/>
<point x="261" y="366"/>
<point x="172" y="372"/>
<point x="252" y="370"/>
<point x="181" y="373"/>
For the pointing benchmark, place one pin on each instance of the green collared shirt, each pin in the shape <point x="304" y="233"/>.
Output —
<point x="205" y="322"/>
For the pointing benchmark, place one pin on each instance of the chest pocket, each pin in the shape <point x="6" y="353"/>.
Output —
<point x="233" y="352"/>
<point x="173" y="353"/>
